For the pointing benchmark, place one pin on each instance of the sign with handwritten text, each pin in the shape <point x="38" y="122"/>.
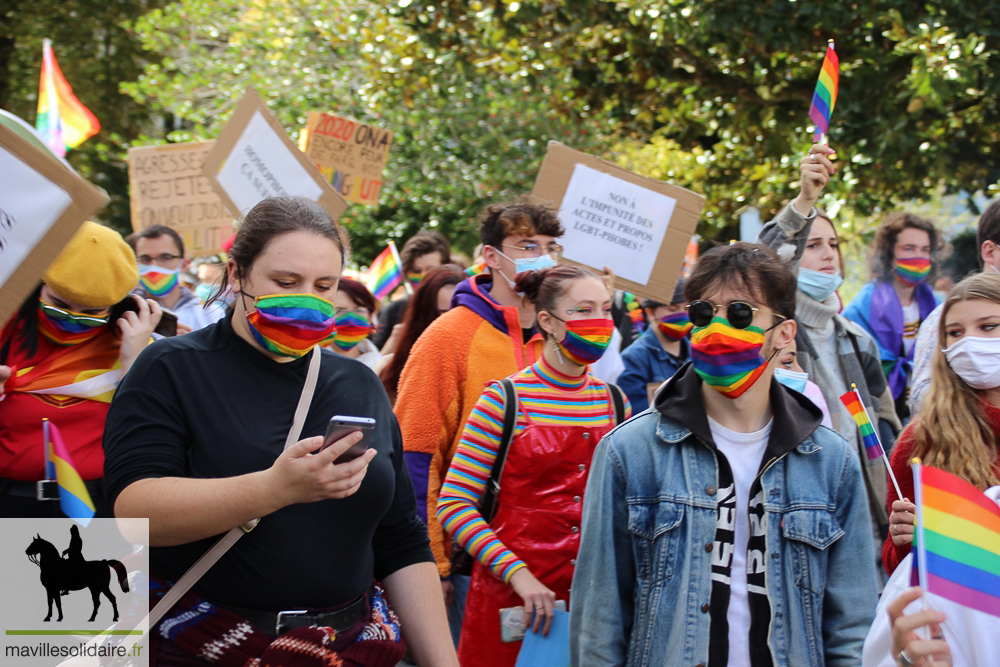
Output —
<point x="349" y="154"/>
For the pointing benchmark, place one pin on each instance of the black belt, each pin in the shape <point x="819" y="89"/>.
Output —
<point x="13" y="487"/>
<point x="340" y="619"/>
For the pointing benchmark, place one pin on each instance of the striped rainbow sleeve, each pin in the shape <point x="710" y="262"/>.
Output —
<point x="465" y="484"/>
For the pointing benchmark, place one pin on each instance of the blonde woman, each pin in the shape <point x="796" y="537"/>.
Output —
<point x="958" y="426"/>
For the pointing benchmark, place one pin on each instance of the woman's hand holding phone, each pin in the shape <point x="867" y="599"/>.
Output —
<point x="301" y="476"/>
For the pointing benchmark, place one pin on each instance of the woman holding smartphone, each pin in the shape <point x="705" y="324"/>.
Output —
<point x="61" y="356"/>
<point x="201" y="459"/>
<point x="526" y="554"/>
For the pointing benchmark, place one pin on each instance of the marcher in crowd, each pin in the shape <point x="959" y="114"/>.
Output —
<point x="421" y="253"/>
<point x="958" y="426"/>
<point x="988" y="239"/>
<point x="61" y="357"/>
<point x="355" y="309"/>
<point x="526" y="554"/>
<point x="328" y="527"/>
<point x="835" y="352"/>
<point x="431" y="299"/>
<point x="726" y="526"/>
<point x="660" y="351"/>
<point x="891" y="307"/>
<point x="789" y="373"/>
<point x="160" y="253"/>
<point x="488" y="334"/>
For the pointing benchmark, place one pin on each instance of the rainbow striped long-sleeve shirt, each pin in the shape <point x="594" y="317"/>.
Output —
<point x="550" y="398"/>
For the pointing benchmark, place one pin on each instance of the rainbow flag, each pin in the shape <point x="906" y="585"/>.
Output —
<point x="73" y="497"/>
<point x="825" y="96"/>
<point x="476" y="269"/>
<point x="385" y="273"/>
<point x="852" y="401"/>
<point x="62" y="120"/>
<point x="957" y="540"/>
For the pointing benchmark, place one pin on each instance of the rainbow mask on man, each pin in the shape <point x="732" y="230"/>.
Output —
<point x="64" y="327"/>
<point x="912" y="271"/>
<point x="675" y="325"/>
<point x="585" y="340"/>
<point x="728" y="359"/>
<point x="414" y="278"/>
<point x="157" y="280"/>
<point x="351" y="330"/>
<point x="291" y="325"/>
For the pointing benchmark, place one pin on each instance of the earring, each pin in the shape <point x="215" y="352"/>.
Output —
<point x="558" y="352"/>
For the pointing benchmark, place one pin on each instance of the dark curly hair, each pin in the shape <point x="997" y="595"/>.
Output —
<point x="499" y="221"/>
<point x="887" y="235"/>
<point x="745" y="266"/>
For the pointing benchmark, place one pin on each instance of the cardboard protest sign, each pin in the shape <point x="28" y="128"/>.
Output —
<point x="42" y="203"/>
<point x="349" y="154"/>
<point x="253" y="159"/>
<point x="168" y="188"/>
<point x="638" y="226"/>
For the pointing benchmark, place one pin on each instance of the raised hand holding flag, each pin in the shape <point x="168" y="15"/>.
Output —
<point x="825" y="96"/>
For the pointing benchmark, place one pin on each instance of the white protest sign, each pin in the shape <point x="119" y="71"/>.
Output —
<point x="42" y="204"/>
<point x="629" y="217"/>
<point x="253" y="159"/>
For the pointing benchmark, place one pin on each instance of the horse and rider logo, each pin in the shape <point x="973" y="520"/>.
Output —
<point x="62" y="573"/>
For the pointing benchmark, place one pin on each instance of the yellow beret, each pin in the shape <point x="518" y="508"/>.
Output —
<point x="96" y="268"/>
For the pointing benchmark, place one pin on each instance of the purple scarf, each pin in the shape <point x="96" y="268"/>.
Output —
<point x="885" y="317"/>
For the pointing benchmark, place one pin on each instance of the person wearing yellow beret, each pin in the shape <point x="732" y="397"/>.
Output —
<point x="61" y="358"/>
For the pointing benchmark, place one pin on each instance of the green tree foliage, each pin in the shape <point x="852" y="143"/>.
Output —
<point x="463" y="138"/>
<point x="728" y="84"/>
<point x="96" y="50"/>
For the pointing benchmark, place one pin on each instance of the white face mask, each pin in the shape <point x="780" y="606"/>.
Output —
<point x="976" y="360"/>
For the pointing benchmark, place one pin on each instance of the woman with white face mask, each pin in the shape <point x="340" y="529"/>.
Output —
<point x="958" y="426"/>
<point x="834" y="352"/>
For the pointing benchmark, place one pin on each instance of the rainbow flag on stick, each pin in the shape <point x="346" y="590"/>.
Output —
<point x="386" y="273"/>
<point x="957" y="540"/>
<point x="73" y="496"/>
<point x="869" y="436"/>
<point x="62" y="120"/>
<point x="825" y="96"/>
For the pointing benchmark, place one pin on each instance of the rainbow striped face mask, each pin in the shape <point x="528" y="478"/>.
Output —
<point x="64" y="327"/>
<point x="585" y="340"/>
<point x="675" y="325"/>
<point x="912" y="271"/>
<point x="290" y="325"/>
<point x="352" y="328"/>
<point x="157" y="280"/>
<point x="728" y="359"/>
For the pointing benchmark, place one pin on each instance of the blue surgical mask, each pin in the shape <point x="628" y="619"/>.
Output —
<point x="817" y="284"/>
<point x="523" y="264"/>
<point x="791" y="379"/>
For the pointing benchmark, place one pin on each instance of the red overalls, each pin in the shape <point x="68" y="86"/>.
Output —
<point x="539" y="510"/>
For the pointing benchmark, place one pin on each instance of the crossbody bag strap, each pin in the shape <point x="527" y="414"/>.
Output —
<point x="210" y="557"/>
<point x="489" y="506"/>
<point x="618" y="398"/>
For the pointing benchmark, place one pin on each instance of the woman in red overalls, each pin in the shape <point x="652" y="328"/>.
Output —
<point x="526" y="554"/>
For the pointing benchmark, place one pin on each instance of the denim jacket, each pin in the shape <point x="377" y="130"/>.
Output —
<point x="646" y="361"/>
<point x="642" y="582"/>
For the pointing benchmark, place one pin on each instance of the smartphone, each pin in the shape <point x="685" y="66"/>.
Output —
<point x="341" y="426"/>
<point x="512" y="626"/>
<point x="167" y="325"/>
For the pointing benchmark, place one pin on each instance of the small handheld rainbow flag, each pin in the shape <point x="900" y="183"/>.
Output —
<point x="62" y="120"/>
<point x="825" y="96"/>
<point x="73" y="496"/>
<point x="869" y="436"/>
<point x="386" y="273"/>
<point x="957" y="540"/>
<point x="476" y="269"/>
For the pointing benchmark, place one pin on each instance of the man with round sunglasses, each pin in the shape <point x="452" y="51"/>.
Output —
<point x="726" y="526"/>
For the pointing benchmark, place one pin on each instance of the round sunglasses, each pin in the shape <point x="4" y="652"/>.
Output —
<point x="738" y="313"/>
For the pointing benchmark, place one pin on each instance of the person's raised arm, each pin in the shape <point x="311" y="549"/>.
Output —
<point x="788" y="232"/>
<point x="182" y="510"/>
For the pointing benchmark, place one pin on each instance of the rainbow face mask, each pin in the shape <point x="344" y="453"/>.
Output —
<point x="912" y="271"/>
<point x="290" y="325"/>
<point x="64" y="327"/>
<point x="586" y="340"/>
<point x="728" y="359"/>
<point x="157" y="280"/>
<point x="675" y="325"/>
<point x="414" y="278"/>
<point x="352" y="328"/>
